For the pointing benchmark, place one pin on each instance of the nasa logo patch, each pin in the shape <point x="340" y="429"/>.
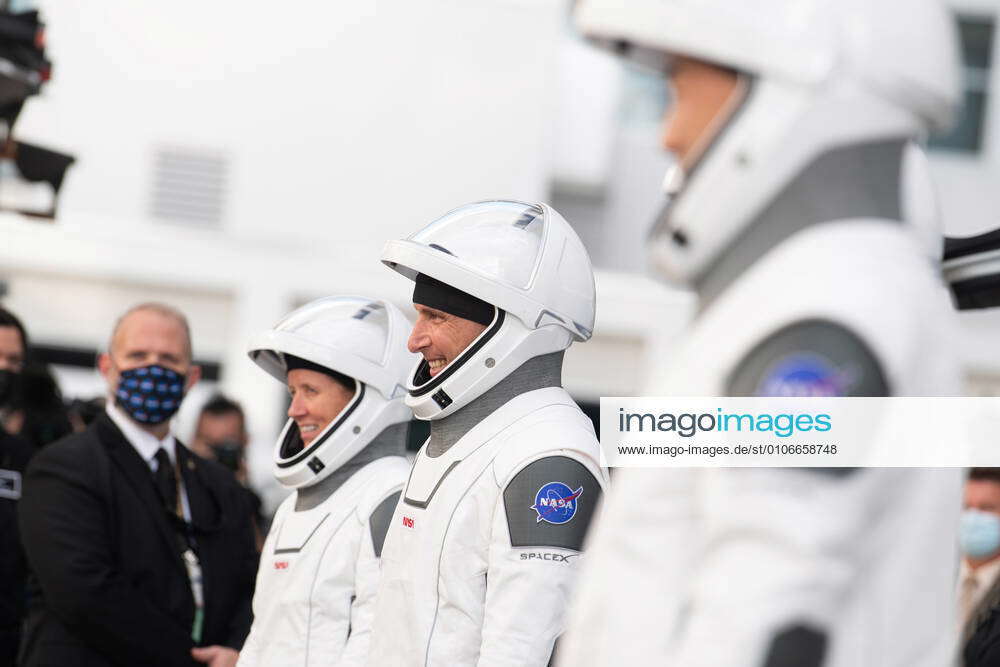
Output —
<point x="556" y="503"/>
<point x="804" y="375"/>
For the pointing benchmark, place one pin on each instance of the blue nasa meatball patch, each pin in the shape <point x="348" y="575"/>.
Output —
<point x="555" y="518"/>
<point x="813" y="357"/>
<point x="556" y="503"/>
<point x="804" y="375"/>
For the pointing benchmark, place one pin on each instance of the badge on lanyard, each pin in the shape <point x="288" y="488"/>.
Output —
<point x="10" y="484"/>
<point x="197" y="591"/>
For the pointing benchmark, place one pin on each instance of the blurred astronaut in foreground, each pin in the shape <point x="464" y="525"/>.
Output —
<point x="482" y="553"/>
<point x="344" y="360"/>
<point x="789" y="124"/>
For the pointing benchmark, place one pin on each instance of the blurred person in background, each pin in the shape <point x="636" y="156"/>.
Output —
<point x="483" y="552"/>
<point x="978" y="580"/>
<point x="139" y="551"/>
<point x="789" y="124"/>
<point x="83" y="412"/>
<point x="32" y="415"/>
<point x="31" y="404"/>
<point x="14" y="455"/>
<point x="40" y="408"/>
<point x="344" y="361"/>
<point x="13" y="356"/>
<point x="220" y="435"/>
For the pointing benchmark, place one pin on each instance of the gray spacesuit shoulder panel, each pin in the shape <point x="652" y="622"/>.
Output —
<point x="809" y="358"/>
<point x="550" y="503"/>
<point x="379" y="521"/>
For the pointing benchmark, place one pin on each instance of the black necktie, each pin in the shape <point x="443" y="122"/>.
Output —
<point x="166" y="481"/>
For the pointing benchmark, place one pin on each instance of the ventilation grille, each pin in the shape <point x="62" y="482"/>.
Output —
<point x="189" y="186"/>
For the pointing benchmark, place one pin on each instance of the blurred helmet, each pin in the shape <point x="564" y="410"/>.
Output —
<point x="362" y="338"/>
<point x="821" y="74"/>
<point x="523" y="259"/>
<point x="919" y="203"/>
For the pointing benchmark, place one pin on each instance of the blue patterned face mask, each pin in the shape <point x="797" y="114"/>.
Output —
<point x="150" y="394"/>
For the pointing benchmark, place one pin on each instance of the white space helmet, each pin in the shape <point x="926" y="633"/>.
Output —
<point x="821" y="73"/>
<point x="920" y="204"/>
<point x="362" y="338"/>
<point x="525" y="260"/>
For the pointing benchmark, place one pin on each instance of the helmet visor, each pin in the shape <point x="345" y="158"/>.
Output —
<point x="339" y="318"/>
<point x="499" y="239"/>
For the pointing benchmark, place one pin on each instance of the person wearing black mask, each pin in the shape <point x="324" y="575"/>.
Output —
<point x="40" y="409"/>
<point x="13" y="352"/>
<point x="31" y="404"/>
<point x="140" y="552"/>
<point x="14" y="455"/>
<point x="221" y="435"/>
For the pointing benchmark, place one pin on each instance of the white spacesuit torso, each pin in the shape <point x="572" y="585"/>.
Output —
<point x="319" y="574"/>
<point x="483" y="549"/>
<point x="741" y="566"/>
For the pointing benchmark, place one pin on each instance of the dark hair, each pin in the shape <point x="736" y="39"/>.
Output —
<point x="985" y="474"/>
<point x="46" y="418"/>
<point x="8" y="319"/>
<point x="292" y="362"/>
<point x="219" y="405"/>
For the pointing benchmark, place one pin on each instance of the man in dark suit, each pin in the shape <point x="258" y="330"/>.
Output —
<point x="979" y="573"/>
<point x="140" y="551"/>
<point x="14" y="455"/>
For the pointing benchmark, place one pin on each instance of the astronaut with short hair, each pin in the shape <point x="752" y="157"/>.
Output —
<point x="482" y="553"/>
<point x="790" y="123"/>
<point x="344" y="361"/>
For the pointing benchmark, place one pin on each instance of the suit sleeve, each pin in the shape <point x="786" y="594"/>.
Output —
<point x="250" y="653"/>
<point x="537" y="533"/>
<point x="366" y="578"/>
<point x="783" y="543"/>
<point x="245" y="557"/>
<point x="65" y="525"/>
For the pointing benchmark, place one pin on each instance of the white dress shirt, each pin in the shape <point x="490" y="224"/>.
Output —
<point x="985" y="577"/>
<point x="147" y="445"/>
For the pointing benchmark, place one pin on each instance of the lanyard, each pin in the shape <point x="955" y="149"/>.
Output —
<point x="193" y="566"/>
<point x="185" y="543"/>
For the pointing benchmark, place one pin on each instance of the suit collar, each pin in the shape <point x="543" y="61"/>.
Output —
<point x="145" y="443"/>
<point x="535" y="373"/>
<point x="202" y="494"/>
<point x="990" y="599"/>
<point x="139" y="477"/>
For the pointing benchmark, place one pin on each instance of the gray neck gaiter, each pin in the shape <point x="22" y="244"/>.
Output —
<point x="390" y="442"/>
<point x="535" y="373"/>
<point x="857" y="181"/>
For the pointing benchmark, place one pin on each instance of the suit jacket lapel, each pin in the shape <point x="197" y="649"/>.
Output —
<point x="206" y="515"/>
<point x="205" y="511"/>
<point x="138" y="475"/>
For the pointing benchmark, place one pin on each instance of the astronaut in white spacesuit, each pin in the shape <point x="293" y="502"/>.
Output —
<point x="789" y="124"/>
<point x="481" y="556"/>
<point x="345" y="362"/>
